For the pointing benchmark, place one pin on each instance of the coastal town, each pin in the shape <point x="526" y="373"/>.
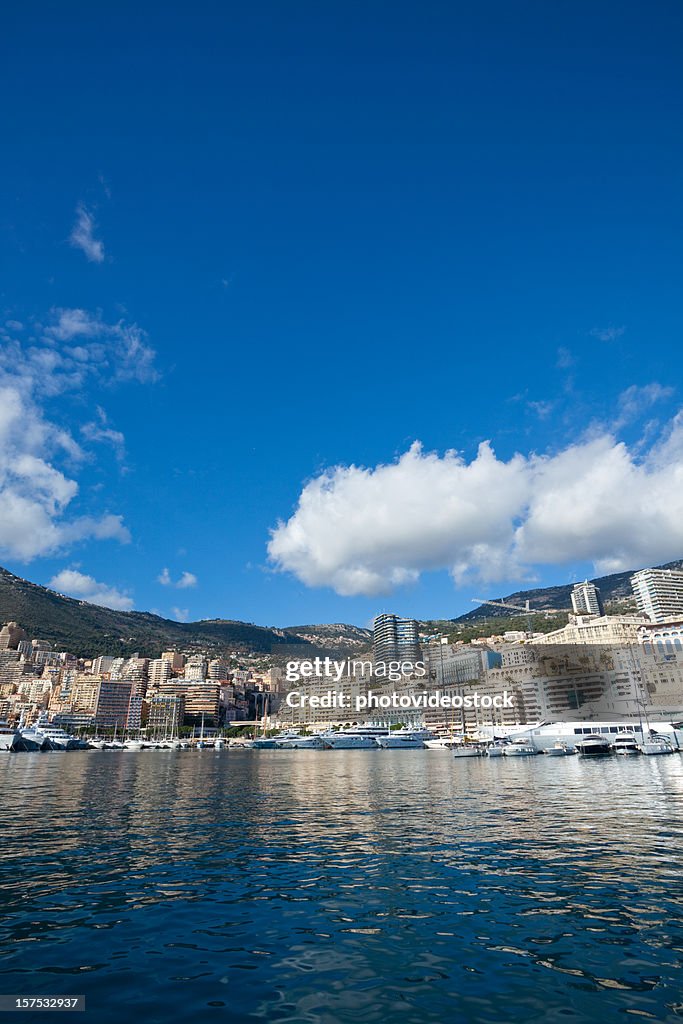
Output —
<point x="597" y="667"/>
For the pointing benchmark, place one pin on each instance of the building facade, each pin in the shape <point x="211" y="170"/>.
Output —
<point x="395" y="639"/>
<point x="586" y="599"/>
<point x="659" y="593"/>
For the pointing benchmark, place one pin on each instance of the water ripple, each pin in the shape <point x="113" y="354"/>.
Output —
<point x="344" y="886"/>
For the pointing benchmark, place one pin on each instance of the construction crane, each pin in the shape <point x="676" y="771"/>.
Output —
<point x="512" y="607"/>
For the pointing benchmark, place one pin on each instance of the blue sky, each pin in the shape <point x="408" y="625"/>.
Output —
<point x="302" y="237"/>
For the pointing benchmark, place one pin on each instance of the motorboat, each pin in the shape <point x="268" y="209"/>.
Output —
<point x="358" y="737"/>
<point x="655" y="743"/>
<point x="133" y="745"/>
<point x="495" y="750"/>
<point x="594" y="745"/>
<point x="404" y="739"/>
<point x="626" y="744"/>
<point x="520" y="748"/>
<point x="559" y="750"/>
<point x="442" y="743"/>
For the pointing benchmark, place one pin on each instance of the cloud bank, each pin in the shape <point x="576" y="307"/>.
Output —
<point x="38" y="453"/>
<point x="364" y="531"/>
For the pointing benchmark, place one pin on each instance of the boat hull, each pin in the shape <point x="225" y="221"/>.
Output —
<point x="654" y="748"/>
<point x="388" y="743"/>
<point x="350" y="743"/>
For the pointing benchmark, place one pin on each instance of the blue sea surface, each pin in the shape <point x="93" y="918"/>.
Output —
<point x="364" y="886"/>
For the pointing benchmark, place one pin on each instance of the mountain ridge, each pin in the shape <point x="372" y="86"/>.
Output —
<point x="86" y="629"/>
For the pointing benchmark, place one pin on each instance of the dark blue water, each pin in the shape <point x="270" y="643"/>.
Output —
<point x="344" y="886"/>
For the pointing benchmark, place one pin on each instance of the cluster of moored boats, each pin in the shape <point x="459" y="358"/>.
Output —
<point x="43" y="736"/>
<point x="589" y="743"/>
<point x="558" y="740"/>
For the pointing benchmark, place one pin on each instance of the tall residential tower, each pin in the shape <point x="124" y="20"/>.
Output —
<point x="395" y="639"/>
<point x="586" y="599"/>
<point x="659" y="593"/>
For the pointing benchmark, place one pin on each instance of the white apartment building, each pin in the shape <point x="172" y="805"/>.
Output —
<point x="586" y="599"/>
<point x="159" y="671"/>
<point x="195" y="667"/>
<point x="659" y="593"/>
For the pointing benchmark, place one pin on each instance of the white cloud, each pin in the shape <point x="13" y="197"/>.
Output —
<point x="38" y="456"/>
<point x="180" y="614"/>
<point x="100" y="431"/>
<point x="34" y="493"/>
<point x="188" y="579"/>
<point x="636" y="400"/>
<point x="185" y="580"/>
<point x="121" y="349"/>
<point x="83" y="235"/>
<point x="86" y="588"/>
<point x="366" y="531"/>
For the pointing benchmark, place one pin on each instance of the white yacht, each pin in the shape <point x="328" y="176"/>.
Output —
<point x="442" y="743"/>
<point x="264" y="743"/>
<point x="595" y="745"/>
<point x="42" y="735"/>
<point x="495" y="750"/>
<point x="32" y="739"/>
<point x="626" y="744"/>
<point x="559" y="750"/>
<point x="133" y="745"/>
<point x="574" y="731"/>
<point x="520" y="748"/>
<point x="404" y="739"/>
<point x="298" y="742"/>
<point x="10" y="739"/>
<point x="358" y="737"/>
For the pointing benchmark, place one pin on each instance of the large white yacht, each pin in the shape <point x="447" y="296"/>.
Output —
<point x="298" y="742"/>
<point x="10" y="738"/>
<point x="55" y="737"/>
<point x="404" y="739"/>
<point x="358" y="737"/>
<point x="575" y="732"/>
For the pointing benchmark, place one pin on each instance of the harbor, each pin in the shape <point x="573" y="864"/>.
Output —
<point x="587" y="739"/>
